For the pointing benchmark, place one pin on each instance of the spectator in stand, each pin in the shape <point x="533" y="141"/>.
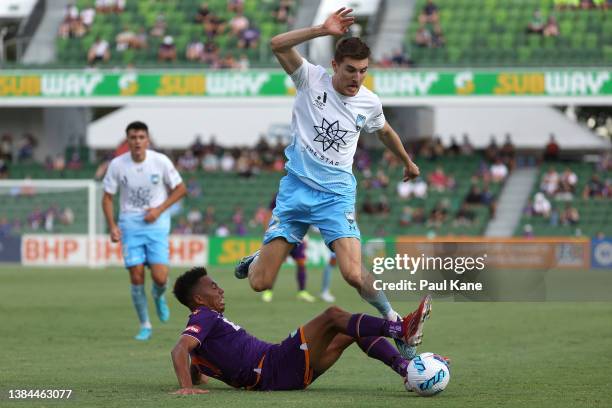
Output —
<point x="261" y="217"/>
<point x="564" y="193"/>
<point x="429" y="14"/>
<point x="211" y="53"/>
<point x="227" y="162"/>
<point x="35" y="219"/>
<point x="437" y="37"/>
<point x="282" y="12"/>
<point x="26" y="150"/>
<point x="194" y="190"/>
<point x="210" y="162"/>
<point x="187" y="162"/>
<point x="528" y="231"/>
<point x="88" y="16"/>
<point x="541" y="205"/>
<point x="213" y="26"/>
<point x="243" y="63"/>
<point x="550" y="182"/>
<point x="552" y="149"/>
<point x="570" y="215"/>
<point x="594" y="188"/>
<point x="499" y="171"/>
<point x="98" y="52"/>
<point x="508" y="152"/>
<point x="406" y="216"/>
<point x="414" y="188"/>
<point x="537" y="23"/>
<point x="125" y="39"/>
<point x="3" y="169"/>
<point x="454" y="148"/>
<point x="222" y="231"/>
<point x="6" y="147"/>
<point x="202" y="14"/>
<point x="249" y="38"/>
<point x="466" y="146"/>
<point x="382" y="205"/>
<point x="587" y="4"/>
<point x="552" y="27"/>
<point x="566" y="4"/>
<point x="209" y="219"/>
<point x="236" y="6"/>
<point x="474" y="196"/>
<point x="464" y="217"/>
<point x="439" y="181"/>
<point x="194" y="217"/>
<point x="238" y="24"/>
<point x="569" y="179"/>
<point x="438" y="214"/>
<point x="167" y="50"/>
<point x="423" y="38"/>
<point x="195" y="50"/>
<point x="492" y="151"/>
<point x="75" y="162"/>
<point x="368" y="206"/>
<point x="238" y="221"/>
<point x="400" y="59"/>
<point x="182" y="227"/>
<point x="159" y="27"/>
<point x="140" y="40"/>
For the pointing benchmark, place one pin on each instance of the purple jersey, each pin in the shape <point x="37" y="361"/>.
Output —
<point x="226" y="351"/>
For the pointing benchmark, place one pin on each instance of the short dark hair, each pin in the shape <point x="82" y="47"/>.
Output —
<point x="351" y="47"/>
<point x="184" y="284"/>
<point x="137" y="126"/>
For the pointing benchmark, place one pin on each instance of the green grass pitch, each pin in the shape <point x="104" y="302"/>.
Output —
<point x="73" y="328"/>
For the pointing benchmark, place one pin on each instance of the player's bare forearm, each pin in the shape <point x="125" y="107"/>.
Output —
<point x="392" y="141"/>
<point x="180" y="360"/>
<point x="179" y="192"/>
<point x="107" y="208"/>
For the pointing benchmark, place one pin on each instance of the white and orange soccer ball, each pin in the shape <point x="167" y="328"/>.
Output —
<point x="427" y="375"/>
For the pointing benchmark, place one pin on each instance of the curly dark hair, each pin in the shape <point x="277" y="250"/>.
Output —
<point x="183" y="286"/>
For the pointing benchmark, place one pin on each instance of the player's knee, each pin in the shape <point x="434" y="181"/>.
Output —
<point x="259" y="284"/>
<point x="334" y="313"/>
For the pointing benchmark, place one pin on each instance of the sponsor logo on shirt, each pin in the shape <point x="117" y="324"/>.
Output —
<point x="359" y="122"/>
<point x="320" y="101"/>
<point x="155" y="178"/>
<point x="193" y="328"/>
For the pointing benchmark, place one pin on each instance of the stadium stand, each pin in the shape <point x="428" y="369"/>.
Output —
<point x="153" y="22"/>
<point x="593" y="211"/>
<point x="494" y="33"/>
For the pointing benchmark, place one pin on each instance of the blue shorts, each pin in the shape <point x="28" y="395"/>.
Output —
<point x="298" y="206"/>
<point x="144" y="247"/>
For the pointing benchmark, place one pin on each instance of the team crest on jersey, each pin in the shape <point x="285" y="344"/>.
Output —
<point x="359" y="122"/>
<point x="124" y="181"/>
<point x="350" y="216"/>
<point x="193" y="328"/>
<point x="330" y="135"/>
<point x="155" y="178"/>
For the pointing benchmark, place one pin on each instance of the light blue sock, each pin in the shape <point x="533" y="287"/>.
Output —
<point x="326" y="278"/>
<point x="157" y="291"/>
<point x="380" y="302"/>
<point x="139" y="298"/>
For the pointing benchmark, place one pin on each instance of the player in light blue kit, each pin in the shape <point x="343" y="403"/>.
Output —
<point x="148" y="185"/>
<point x="329" y="113"/>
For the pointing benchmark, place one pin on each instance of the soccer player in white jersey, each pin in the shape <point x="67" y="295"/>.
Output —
<point x="329" y="113"/>
<point x="148" y="185"/>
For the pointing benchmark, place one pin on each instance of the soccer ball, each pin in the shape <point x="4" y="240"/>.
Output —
<point x="427" y="375"/>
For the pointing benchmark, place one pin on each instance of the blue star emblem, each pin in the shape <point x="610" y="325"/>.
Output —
<point x="330" y="135"/>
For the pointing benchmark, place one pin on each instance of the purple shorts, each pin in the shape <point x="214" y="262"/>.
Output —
<point x="286" y="366"/>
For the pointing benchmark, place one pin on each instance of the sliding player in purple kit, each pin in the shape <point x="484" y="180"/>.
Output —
<point x="329" y="114"/>
<point x="223" y="350"/>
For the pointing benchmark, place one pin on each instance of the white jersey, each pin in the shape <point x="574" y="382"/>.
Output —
<point x="325" y="128"/>
<point x="141" y="186"/>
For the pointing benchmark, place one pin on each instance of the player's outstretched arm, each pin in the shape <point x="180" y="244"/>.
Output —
<point x="283" y="44"/>
<point x="180" y="360"/>
<point x="107" y="208"/>
<point x="392" y="141"/>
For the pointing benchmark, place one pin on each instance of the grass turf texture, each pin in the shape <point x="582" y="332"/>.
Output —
<point x="73" y="328"/>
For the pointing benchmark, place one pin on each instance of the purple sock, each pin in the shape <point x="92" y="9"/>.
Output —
<point x="380" y="349"/>
<point x="362" y="325"/>
<point x="301" y="277"/>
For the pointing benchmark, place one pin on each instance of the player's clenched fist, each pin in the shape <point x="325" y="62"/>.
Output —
<point x="115" y="234"/>
<point x="411" y="171"/>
